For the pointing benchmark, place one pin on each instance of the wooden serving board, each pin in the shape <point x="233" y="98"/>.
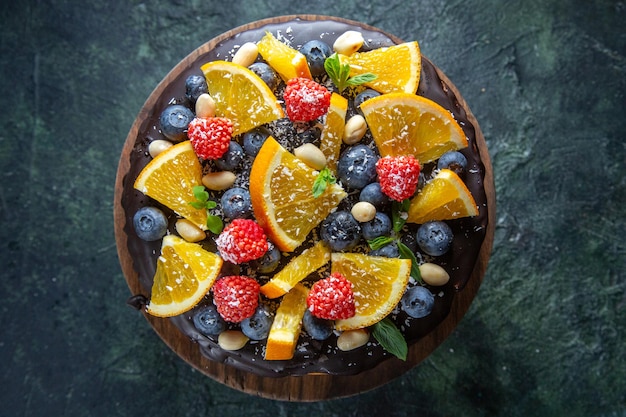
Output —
<point x="309" y="387"/>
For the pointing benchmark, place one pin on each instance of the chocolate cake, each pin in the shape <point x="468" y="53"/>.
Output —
<point x="310" y="356"/>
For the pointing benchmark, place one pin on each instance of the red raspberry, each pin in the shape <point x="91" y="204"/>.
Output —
<point x="332" y="298"/>
<point x="210" y="137"/>
<point x="305" y="100"/>
<point x="241" y="241"/>
<point x="398" y="176"/>
<point x="236" y="297"/>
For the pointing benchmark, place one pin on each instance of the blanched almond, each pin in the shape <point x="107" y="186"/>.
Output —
<point x="219" y="180"/>
<point x="352" y="339"/>
<point x="158" y="146"/>
<point x="363" y="211"/>
<point x="433" y="274"/>
<point x="232" y="340"/>
<point x="348" y="43"/>
<point x="246" y="54"/>
<point x="205" y="106"/>
<point x="189" y="231"/>
<point x="311" y="155"/>
<point x="354" y="129"/>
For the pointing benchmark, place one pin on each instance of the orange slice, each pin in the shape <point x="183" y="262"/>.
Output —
<point x="169" y="179"/>
<point x="408" y="124"/>
<point x="241" y="96"/>
<point x="397" y="68"/>
<point x="285" y="330"/>
<point x="310" y="260"/>
<point x="332" y="133"/>
<point x="286" y="61"/>
<point x="445" y="197"/>
<point x="378" y="285"/>
<point x="184" y="274"/>
<point x="281" y="190"/>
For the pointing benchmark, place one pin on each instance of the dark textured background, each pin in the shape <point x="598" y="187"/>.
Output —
<point x="546" y="334"/>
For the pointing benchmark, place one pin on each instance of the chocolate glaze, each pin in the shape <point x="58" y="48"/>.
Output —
<point x="311" y="356"/>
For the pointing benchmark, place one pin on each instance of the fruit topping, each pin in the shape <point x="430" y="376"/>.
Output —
<point x="208" y="321"/>
<point x="236" y="203"/>
<point x="373" y="194"/>
<point x="231" y="159"/>
<point x="241" y="96"/>
<point x="341" y="231"/>
<point x="254" y="140"/>
<point x="266" y="73"/>
<point x="184" y="274"/>
<point x="435" y="238"/>
<point x="174" y="121"/>
<point x="454" y="161"/>
<point x="316" y="53"/>
<point x="357" y="166"/>
<point x="236" y="297"/>
<point x="269" y="262"/>
<point x="331" y="298"/>
<point x="150" y="223"/>
<point x="333" y="129"/>
<point x="285" y="330"/>
<point x="317" y="328"/>
<point x="241" y="241"/>
<point x="286" y="61"/>
<point x="398" y="176"/>
<point x="445" y="197"/>
<point x="195" y="86"/>
<point x="380" y="225"/>
<point x="305" y="100"/>
<point x="257" y="327"/>
<point x="417" y="302"/>
<point x="210" y="137"/>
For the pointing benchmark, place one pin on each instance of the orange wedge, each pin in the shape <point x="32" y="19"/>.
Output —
<point x="408" y="124"/>
<point x="281" y="190"/>
<point x="286" y="61"/>
<point x="285" y="330"/>
<point x="445" y="197"/>
<point x="184" y="274"/>
<point x="310" y="260"/>
<point x="378" y="285"/>
<point x="332" y="133"/>
<point x="170" y="177"/>
<point x="241" y="96"/>
<point x="402" y="75"/>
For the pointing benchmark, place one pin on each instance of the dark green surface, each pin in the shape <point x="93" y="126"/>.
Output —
<point x="547" y="331"/>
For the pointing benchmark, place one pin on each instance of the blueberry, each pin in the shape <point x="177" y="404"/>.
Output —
<point x="373" y="194"/>
<point x="311" y="135"/>
<point x="174" y="121"/>
<point x="208" y="321"/>
<point x="364" y="96"/>
<point x="357" y="166"/>
<point x="266" y="73"/>
<point x="340" y="231"/>
<point x="380" y="225"/>
<point x="150" y="223"/>
<point x="417" y="302"/>
<point x="232" y="158"/>
<point x="253" y="140"/>
<point x="389" y="251"/>
<point x="316" y="53"/>
<point x="454" y="161"/>
<point x="318" y="329"/>
<point x="435" y="238"/>
<point x="269" y="261"/>
<point x="236" y="203"/>
<point x="258" y="326"/>
<point x="194" y="86"/>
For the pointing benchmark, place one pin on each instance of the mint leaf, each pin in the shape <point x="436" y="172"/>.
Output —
<point x="379" y="242"/>
<point x="324" y="178"/>
<point x="200" y="193"/>
<point x="407" y="253"/>
<point x="390" y="338"/>
<point x="362" y="79"/>
<point x="198" y="205"/>
<point x="214" y="224"/>
<point x="399" y="214"/>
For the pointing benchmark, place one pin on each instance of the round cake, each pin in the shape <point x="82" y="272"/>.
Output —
<point x="431" y="252"/>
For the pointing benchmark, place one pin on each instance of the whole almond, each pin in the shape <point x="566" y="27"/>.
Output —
<point x="157" y="146"/>
<point x="433" y="274"/>
<point x="354" y="129"/>
<point x="232" y="340"/>
<point x="349" y="42"/>
<point x="205" y="106"/>
<point x="363" y="211"/>
<point x="352" y="339"/>
<point x="311" y="155"/>
<point x="246" y="54"/>
<point x="219" y="180"/>
<point x="189" y="231"/>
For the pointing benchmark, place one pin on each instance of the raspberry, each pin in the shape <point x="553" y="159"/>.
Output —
<point x="241" y="241"/>
<point x="305" y="100"/>
<point x="332" y="298"/>
<point x="398" y="176"/>
<point x="210" y="137"/>
<point x="236" y="297"/>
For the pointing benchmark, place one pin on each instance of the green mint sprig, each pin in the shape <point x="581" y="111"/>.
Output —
<point x="213" y="223"/>
<point x="390" y="338"/>
<point x="340" y="74"/>
<point x="398" y="214"/>
<point x="324" y="178"/>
